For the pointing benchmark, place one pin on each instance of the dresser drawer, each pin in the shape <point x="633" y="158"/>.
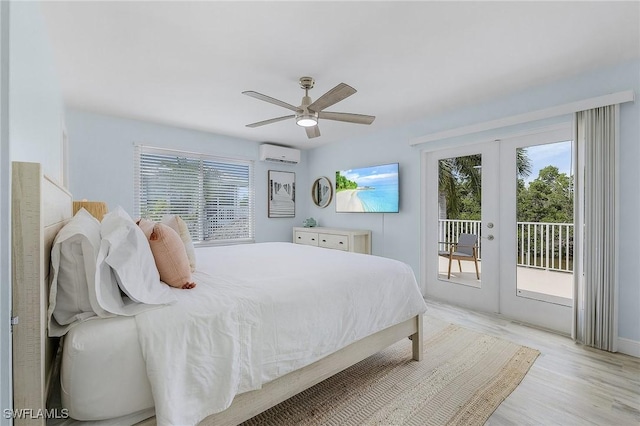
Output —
<point x="308" y="238"/>
<point x="332" y="241"/>
<point x="352" y="240"/>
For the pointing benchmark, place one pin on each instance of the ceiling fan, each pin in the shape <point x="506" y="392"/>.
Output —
<point x="308" y="113"/>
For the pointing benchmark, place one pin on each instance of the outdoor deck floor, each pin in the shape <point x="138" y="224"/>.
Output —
<point x="553" y="283"/>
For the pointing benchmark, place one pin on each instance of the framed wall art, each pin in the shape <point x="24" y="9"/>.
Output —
<point x="282" y="194"/>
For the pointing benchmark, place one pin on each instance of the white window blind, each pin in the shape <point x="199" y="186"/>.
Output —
<point x="213" y="195"/>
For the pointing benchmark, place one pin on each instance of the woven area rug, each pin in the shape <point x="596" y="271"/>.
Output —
<point x="462" y="379"/>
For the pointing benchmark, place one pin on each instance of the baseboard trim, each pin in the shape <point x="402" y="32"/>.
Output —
<point x="629" y="347"/>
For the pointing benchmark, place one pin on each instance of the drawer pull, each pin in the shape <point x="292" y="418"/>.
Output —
<point x="299" y="238"/>
<point x="340" y="242"/>
<point x="324" y="241"/>
<point x="313" y="239"/>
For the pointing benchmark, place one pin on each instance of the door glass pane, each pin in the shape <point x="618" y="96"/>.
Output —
<point x="459" y="218"/>
<point x="545" y="222"/>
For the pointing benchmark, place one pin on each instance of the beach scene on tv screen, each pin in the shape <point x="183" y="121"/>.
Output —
<point x="368" y="189"/>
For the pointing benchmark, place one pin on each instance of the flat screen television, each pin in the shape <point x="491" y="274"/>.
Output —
<point x="372" y="189"/>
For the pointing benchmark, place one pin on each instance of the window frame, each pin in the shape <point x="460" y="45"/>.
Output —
<point x="207" y="162"/>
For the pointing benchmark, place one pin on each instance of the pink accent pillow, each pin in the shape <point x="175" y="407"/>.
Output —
<point x="146" y="226"/>
<point x="170" y="255"/>
<point x="180" y="226"/>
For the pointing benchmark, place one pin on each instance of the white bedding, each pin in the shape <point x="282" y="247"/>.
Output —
<point x="103" y="373"/>
<point x="260" y="311"/>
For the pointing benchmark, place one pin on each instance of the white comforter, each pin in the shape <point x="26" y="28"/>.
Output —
<point x="260" y="311"/>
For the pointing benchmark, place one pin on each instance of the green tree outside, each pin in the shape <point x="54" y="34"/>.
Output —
<point x="548" y="198"/>
<point x="460" y="184"/>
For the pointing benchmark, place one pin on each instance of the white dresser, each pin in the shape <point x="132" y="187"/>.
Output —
<point x="355" y="240"/>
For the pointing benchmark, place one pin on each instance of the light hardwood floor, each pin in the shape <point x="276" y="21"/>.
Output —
<point x="569" y="384"/>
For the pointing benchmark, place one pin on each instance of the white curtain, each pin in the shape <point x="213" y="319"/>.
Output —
<point x="596" y="313"/>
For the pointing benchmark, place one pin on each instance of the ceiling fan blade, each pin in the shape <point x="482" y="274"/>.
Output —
<point x="270" y="100"/>
<point x="273" y="120"/>
<point x="349" y="118"/>
<point x="313" y="131"/>
<point x="335" y="95"/>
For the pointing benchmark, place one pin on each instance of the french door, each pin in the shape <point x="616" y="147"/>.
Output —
<point x="537" y="244"/>
<point x="515" y="197"/>
<point x="451" y="178"/>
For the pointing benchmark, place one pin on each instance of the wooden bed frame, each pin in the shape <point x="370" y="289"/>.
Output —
<point x="40" y="208"/>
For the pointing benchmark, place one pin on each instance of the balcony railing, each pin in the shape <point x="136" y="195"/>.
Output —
<point x="540" y="245"/>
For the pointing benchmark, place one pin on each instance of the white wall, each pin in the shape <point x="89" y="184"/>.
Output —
<point x="5" y="216"/>
<point x="394" y="235"/>
<point x="101" y="150"/>
<point x="30" y="132"/>
<point x="36" y="110"/>
<point x="398" y="235"/>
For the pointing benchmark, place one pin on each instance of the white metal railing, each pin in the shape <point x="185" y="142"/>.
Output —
<point x="540" y="245"/>
<point x="546" y="245"/>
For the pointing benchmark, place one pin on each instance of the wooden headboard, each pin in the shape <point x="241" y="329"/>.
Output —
<point x="39" y="209"/>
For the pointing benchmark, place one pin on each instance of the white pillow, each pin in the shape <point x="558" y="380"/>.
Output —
<point x="73" y="259"/>
<point x="125" y="253"/>
<point x="180" y="226"/>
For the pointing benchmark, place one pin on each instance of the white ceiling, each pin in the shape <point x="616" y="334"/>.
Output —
<point x="186" y="63"/>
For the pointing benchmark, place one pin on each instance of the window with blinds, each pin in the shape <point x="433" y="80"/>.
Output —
<point x="213" y="195"/>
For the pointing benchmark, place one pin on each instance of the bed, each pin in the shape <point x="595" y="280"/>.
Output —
<point x="277" y="315"/>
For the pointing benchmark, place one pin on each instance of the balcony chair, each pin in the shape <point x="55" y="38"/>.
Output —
<point x="465" y="249"/>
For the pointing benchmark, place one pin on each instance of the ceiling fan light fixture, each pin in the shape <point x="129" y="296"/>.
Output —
<point x="309" y="112"/>
<point x="306" y="120"/>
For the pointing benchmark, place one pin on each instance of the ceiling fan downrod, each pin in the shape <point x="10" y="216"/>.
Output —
<point x="304" y="117"/>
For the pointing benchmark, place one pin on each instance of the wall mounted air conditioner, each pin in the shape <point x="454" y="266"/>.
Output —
<point x="279" y="154"/>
